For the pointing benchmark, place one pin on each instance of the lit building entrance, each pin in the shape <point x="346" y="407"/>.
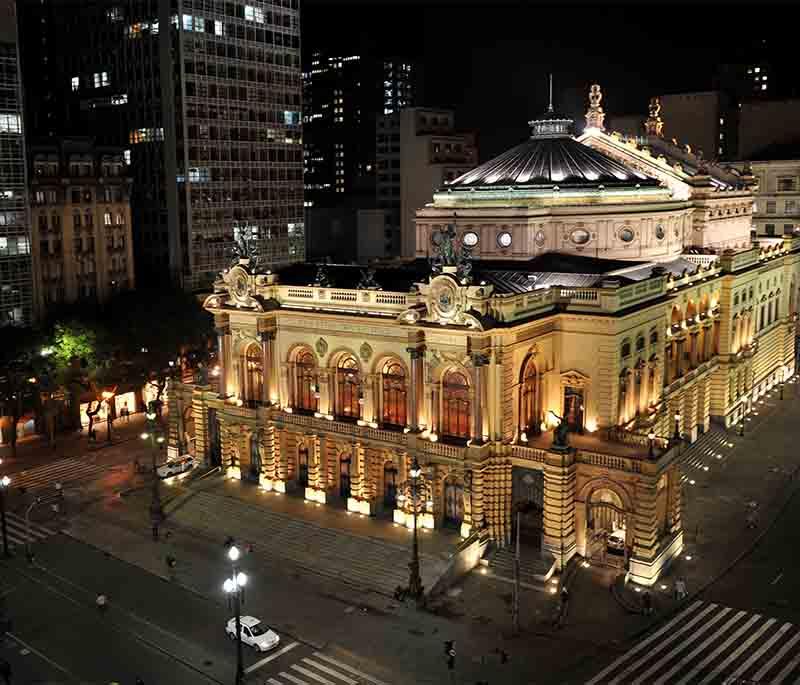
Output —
<point x="607" y="530"/>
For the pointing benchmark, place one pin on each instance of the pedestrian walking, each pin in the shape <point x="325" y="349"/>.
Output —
<point x="647" y="603"/>
<point x="125" y="412"/>
<point x="101" y="602"/>
<point x="752" y="519"/>
<point x="680" y="589"/>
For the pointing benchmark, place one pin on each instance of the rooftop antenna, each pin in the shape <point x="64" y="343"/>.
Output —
<point x="550" y="106"/>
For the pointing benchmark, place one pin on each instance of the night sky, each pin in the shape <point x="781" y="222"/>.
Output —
<point x="489" y="61"/>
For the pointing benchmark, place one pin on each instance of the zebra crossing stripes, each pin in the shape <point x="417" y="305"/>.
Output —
<point x="710" y="449"/>
<point x="710" y="644"/>
<point x="17" y="530"/>
<point x="321" y="669"/>
<point x="62" y="471"/>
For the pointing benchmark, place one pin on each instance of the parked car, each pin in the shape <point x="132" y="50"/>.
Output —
<point x="255" y="634"/>
<point x="176" y="466"/>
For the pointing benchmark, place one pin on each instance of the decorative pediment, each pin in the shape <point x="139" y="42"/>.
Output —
<point x="575" y="379"/>
<point x="448" y="302"/>
<point x="236" y="288"/>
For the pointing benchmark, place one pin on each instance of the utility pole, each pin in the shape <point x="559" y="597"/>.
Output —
<point x="515" y="604"/>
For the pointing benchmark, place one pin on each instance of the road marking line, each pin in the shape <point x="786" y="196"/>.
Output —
<point x="683" y="644"/>
<point x="314" y="676"/>
<point x="719" y="650"/>
<point x="736" y="652"/>
<point x="42" y="656"/>
<point x="757" y="654"/>
<point x="767" y="667"/>
<point x="272" y="656"/>
<point x="293" y="679"/>
<point x="786" y="671"/>
<point x="777" y="578"/>
<point x="349" y="669"/>
<point x="330" y="671"/>
<point x="272" y="681"/>
<point x="691" y="655"/>
<point x="638" y="648"/>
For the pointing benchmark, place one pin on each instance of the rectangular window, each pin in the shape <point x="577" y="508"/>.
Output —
<point x="771" y="207"/>
<point x="770" y="228"/>
<point x="788" y="229"/>
<point x="786" y="185"/>
<point x="121" y="99"/>
<point x="9" y="123"/>
<point x="76" y="83"/>
<point x="255" y="14"/>
<point x="790" y="206"/>
<point x="107" y="218"/>
<point x="127" y="156"/>
<point x="218" y="28"/>
<point x="39" y="197"/>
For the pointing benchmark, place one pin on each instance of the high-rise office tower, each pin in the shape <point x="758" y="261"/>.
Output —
<point x="343" y="95"/>
<point x="16" y="287"/>
<point x="205" y="95"/>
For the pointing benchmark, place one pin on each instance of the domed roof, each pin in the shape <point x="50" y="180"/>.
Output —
<point x="550" y="157"/>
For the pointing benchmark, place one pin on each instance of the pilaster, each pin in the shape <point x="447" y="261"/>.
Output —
<point x="558" y="535"/>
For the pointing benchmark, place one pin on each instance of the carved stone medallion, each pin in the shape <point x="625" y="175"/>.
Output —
<point x="322" y="347"/>
<point x="365" y="351"/>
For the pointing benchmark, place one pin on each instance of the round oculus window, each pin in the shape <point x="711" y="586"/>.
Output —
<point x="580" y="236"/>
<point x="660" y="232"/>
<point x="539" y="238"/>
<point x="626" y="235"/>
<point x="504" y="239"/>
<point x="470" y="239"/>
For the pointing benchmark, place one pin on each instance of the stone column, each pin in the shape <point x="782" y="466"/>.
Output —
<point x="637" y="389"/>
<point x="267" y="338"/>
<point x="415" y="386"/>
<point x="693" y="350"/>
<point x="644" y="377"/>
<point x="622" y="413"/>
<point x="558" y="534"/>
<point x="715" y="344"/>
<point x="326" y="393"/>
<point x="479" y="362"/>
<point x="285" y="398"/>
<point x="668" y="364"/>
<point x="680" y="365"/>
<point x="706" y="343"/>
<point x="223" y="333"/>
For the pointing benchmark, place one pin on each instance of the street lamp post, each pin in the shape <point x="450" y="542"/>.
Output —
<point x="156" y="510"/>
<point x="677" y="425"/>
<point x="5" y="481"/>
<point x="234" y="588"/>
<point x="651" y="437"/>
<point x="414" y="579"/>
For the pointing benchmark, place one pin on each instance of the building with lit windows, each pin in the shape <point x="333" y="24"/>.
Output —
<point x="16" y="286"/>
<point x="80" y="222"/>
<point x="579" y="306"/>
<point x="206" y="103"/>
<point x="343" y="95"/>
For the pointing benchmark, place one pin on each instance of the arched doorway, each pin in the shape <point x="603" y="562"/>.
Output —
<point x="302" y="467"/>
<point x="254" y="374"/>
<point x="530" y="421"/>
<point x="456" y="407"/>
<point x="306" y="379"/>
<point x="393" y="378"/>
<point x="573" y="408"/>
<point x="390" y="486"/>
<point x="254" y="470"/>
<point x="344" y="476"/>
<point x="527" y="492"/>
<point x="607" y="529"/>
<point x="453" y="504"/>
<point x="348" y="388"/>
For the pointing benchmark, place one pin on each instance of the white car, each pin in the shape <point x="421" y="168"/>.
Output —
<point x="176" y="466"/>
<point x="256" y="634"/>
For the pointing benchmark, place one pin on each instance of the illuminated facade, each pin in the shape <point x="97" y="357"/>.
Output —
<point x="333" y="379"/>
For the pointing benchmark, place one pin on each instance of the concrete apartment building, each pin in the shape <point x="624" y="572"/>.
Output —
<point x="80" y="222"/>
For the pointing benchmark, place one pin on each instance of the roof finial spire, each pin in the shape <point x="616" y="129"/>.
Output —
<point x="550" y="106"/>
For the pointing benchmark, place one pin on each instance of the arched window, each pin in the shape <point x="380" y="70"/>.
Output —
<point x="254" y="374"/>
<point x="393" y="378"/>
<point x="455" y="404"/>
<point x="640" y="343"/>
<point x="529" y="410"/>
<point x="306" y="379"/>
<point x="625" y="350"/>
<point x="348" y="388"/>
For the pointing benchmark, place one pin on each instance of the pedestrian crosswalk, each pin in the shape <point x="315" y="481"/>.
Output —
<point x="322" y="669"/>
<point x="62" y="471"/>
<point x="705" y="454"/>
<point x="17" y="531"/>
<point x="710" y="643"/>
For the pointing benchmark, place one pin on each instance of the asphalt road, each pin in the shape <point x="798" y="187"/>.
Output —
<point x="766" y="580"/>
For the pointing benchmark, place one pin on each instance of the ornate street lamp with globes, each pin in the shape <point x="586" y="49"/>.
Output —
<point x="417" y="491"/>
<point x="234" y="589"/>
